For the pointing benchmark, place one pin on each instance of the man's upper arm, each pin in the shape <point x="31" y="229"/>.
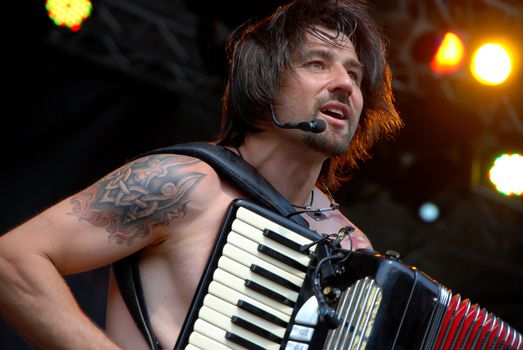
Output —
<point x="133" y="207"/>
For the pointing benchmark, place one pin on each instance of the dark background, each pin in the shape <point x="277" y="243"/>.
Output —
<point x="146" y="74"/>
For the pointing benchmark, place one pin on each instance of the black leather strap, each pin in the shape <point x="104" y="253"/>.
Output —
<point x="228" y="165"/>
<point x="127" y="277"/>
<point x="231" y="166"/>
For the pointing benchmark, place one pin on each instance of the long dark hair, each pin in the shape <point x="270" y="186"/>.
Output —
<point x="259" y="52"/>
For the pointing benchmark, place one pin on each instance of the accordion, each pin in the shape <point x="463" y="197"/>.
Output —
<point x="273" y="284"/>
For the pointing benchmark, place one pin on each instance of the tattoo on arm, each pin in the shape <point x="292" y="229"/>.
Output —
<point x="133" y="200"/>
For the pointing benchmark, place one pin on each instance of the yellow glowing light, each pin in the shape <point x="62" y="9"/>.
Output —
<point x="68" y="13"/>
<point x="450" y="54"/>
<point x="491" y="64"/>
<point x="507" y="174"/>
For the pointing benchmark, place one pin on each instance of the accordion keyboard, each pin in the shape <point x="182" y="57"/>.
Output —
<point x="254" y="288"/>
<point x="257" y="292"/>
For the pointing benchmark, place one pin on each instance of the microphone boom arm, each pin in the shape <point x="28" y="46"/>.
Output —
<point x="316" y="125"/>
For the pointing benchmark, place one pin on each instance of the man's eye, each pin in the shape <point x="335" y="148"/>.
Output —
<point x="316" y="65"/>
<point x="354" y="76"/>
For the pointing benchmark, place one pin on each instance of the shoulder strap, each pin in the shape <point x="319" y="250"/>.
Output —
<point x="228" y="165"/>
<point x="231" y="166"/>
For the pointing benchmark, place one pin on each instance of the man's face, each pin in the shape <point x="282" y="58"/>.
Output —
<point x="324" y="82"/>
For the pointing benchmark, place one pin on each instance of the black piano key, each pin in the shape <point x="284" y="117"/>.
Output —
<point x="284" y="240"/>
<point x="255" y="329"/>
<point x="282" y="258"/>
<point x="268" y="293"/>
<point x="242" y="341"/>
<point x="261" y="313"/>
<point x="274" y="277"/>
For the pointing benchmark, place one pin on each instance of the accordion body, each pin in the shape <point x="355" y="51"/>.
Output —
<point x="260" y="291"/>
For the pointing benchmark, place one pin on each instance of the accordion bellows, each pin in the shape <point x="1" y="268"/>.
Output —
<point x="260" y="291"/>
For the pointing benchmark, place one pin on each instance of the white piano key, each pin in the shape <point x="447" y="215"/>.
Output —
<point x="224" y="292"/>
<point x="192" y="347"/>
<point x="262" y="223"/>
<point x="215" y="333"/>
<point x="231" y="310"/>
<point x="200" y="341"/>
<point x="245" y="273"/>
<point x="247" y="259"/>
<point x="221" y="321"/>
<point x="251" y="247"/>
<point x="308" y="313"/>
<point x="257" y="236"/>
<point x="237" y="284"/>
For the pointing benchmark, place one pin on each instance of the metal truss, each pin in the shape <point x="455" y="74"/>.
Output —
<point x="406" y="20"/>
<point x="157" y="41"/>
<point x="153" y="41"/>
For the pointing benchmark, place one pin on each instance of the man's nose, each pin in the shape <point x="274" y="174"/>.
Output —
<point x="341" y="81"/>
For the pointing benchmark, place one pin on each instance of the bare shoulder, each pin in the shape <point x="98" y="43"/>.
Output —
<point x="335" y="220"/>
<point x="356" y="238"/>
<point x="134" y="207"/>
<point x="145" y="195"/>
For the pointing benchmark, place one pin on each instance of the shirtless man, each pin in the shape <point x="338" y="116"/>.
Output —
<point x="310" y="60"/>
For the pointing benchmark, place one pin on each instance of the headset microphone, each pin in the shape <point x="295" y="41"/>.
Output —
<point x="316" y="125"/>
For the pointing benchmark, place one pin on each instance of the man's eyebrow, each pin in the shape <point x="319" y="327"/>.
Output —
<point x="351" y="62"/>
<point x="304" y="54"/>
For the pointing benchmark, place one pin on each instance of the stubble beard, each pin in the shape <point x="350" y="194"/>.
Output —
<point x="328" y="144"/>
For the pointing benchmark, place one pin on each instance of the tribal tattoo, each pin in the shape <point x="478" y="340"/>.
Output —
<point x="132" y="201"/>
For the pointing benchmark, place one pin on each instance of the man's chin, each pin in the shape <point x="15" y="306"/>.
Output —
<point x="328" y="147"/>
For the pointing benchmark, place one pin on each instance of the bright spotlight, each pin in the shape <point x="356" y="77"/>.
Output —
<point x="491" y="64"/>
<point x="507" y="174"/>
<point x="449" y="56"/>
<point x="68" y="13"/>
<point x="428" y="212"/>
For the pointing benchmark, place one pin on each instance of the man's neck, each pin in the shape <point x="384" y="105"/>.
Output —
<point x="293" y="171"/>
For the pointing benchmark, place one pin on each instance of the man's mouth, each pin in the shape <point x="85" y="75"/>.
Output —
<point x="334" y="113"/>
<point x="335" y="110"/>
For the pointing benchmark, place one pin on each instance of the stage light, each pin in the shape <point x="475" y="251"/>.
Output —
<point x="491" y="64"/>
<point x="507" y="174"/>
<point x="68" y="13"/>
<point x="449" y="56"/>
<point x="428" y="212"/>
